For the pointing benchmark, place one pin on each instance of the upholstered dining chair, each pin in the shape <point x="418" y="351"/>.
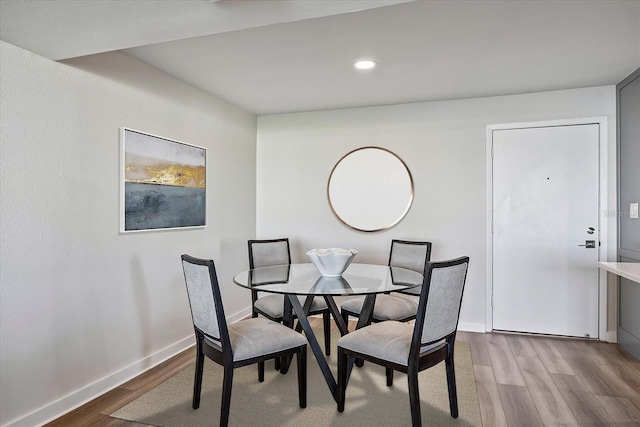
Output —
<point x="238" y="344"/>
<point x="410" y="348"/>
<point x="410" y="255"/>
<point x="268" y="252"/>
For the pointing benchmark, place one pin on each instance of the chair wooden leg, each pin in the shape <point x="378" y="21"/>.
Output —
<point x="301" y="357"/>
<point x="358" y="362"/>
<point x="326" y="325"/>
<point x="261" y="371"/>
<point x="279" y="361"/>
<point x="414" y="397"/>
<point x="389" y="377"/>
<point x="197" y="382"/>
<point x="226" y="396"/>
<point x="451" y="385"/>
<point x="342" y="379"/>
<point x="285" y="364"/>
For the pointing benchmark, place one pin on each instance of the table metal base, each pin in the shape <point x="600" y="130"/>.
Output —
<point x="303" y="324"/>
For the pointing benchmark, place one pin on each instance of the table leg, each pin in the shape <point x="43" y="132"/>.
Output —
<point x="313" y="342"/>
<point x="333" y="309"/>
<point x="335" y="312"/>
<point x="366" y="314"/>
<point x="287" y="317"/>
<point x="286" y="360"/>
<point x="307" y="307"/>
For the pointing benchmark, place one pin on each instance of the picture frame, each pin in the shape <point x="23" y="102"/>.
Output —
<point x="163" y="183"/>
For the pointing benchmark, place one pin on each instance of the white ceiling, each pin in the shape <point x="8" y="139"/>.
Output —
<point x="285" y="56"/>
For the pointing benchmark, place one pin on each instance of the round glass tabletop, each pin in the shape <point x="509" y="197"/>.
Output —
<point x="304" y="279"/>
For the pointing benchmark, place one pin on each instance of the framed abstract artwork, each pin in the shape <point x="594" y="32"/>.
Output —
<point x="163" y="183"/>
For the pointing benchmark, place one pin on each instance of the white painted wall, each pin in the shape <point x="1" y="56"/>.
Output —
<point x="443" y="144"/>
<point x="82" y="307"/>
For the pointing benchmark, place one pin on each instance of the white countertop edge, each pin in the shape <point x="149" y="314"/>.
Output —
<point x="628" y="270"/>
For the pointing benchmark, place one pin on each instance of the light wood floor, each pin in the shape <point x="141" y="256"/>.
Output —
<point x="520" y="380"/>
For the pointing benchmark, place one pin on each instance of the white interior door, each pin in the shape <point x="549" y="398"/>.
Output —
<point x="545" y="205"/>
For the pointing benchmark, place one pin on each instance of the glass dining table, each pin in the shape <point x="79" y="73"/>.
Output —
<point x="294" y="280"/>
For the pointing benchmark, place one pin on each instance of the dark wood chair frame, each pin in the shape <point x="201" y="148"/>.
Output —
<point x="416" y="362"/>
<point x="289" y="316"/>
<point x="223" y="355"/>
<point x="346" y="313"/>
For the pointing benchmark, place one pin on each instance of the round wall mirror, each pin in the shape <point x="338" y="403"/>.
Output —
<point x="370" y="189"/>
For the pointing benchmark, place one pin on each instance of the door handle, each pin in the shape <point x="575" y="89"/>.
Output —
<point x="589" y="244"/>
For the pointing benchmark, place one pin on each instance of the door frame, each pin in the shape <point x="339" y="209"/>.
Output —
<point x="602" y="207"/>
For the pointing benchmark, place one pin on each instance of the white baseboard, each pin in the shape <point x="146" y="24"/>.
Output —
<point x="612" y="336"/>
<point x="84" y="395"/>
<point x="471" y="327"/>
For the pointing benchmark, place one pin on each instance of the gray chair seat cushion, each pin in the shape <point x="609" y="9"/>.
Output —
<point x="387" y="307"/>
<point x="259" y="336"/>
<point x="389" y="340"/>
<point x="273" y="305"/>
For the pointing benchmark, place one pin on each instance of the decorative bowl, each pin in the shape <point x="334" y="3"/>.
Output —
<point x="331" y="262"/>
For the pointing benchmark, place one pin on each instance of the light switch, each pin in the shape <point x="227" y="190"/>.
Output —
<point x="633" y="210"/>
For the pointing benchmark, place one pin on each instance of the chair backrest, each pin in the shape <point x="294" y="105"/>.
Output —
<point x="264" y="253"/>
<point x="440" y="301"/>
<point x="410" y="255"/>
<point x="205" y="300"/>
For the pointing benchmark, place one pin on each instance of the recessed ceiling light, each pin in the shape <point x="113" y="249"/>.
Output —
<point x="366" y="64"/>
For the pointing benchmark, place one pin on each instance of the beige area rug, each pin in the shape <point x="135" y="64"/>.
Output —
<point x="274" y="402"/>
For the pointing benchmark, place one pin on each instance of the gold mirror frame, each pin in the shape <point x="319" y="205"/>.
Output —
<point x="370" y="189"/>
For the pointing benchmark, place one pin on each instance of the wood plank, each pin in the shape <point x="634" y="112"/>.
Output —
<point x="620" y="409"/>
<point x="127" y="398"/>
<point x="504" y="364"/>
<point x="518" y="406"/>
<point x="552" y="407"/>
<point x="603" y="352"/>
<point x="632" y="367"/>
<point x="521" y="346"/>
<point x="600" y="379"/>
<point x="619" y="352"/>
<point x="463" y="336"/>
<point x="629" y="373"/>
<point x="569" y="348"/>
<point x="479" y="349"/>
<point x="584" y="405"/>
<point x="491" y="410"/>
<point x="635" y="400"/>
<point x="551" y="357"/>
<point x="625" y="382"/>
<point x="600" y="352"/>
